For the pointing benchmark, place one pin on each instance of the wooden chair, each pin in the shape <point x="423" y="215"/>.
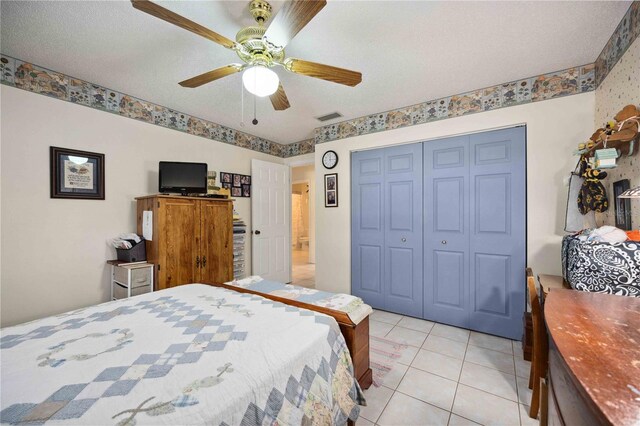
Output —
<point x="540" y="357"/>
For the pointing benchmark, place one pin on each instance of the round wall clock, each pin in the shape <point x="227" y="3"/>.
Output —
<point x="330" y="159"/>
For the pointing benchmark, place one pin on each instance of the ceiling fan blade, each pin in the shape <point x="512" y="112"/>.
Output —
<point x="175" y="19"/>
<point x="293" y="16"/>
<point x="279" y="99"/>
<point x="210" y="76"/>
<point x="324" y="72"/>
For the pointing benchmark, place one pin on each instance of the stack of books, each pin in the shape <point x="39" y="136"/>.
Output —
<point x="239" y="238"/>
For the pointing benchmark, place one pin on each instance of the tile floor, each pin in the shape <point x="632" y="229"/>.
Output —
<point x="448" y="376"/>
<point x="304" y="273"/>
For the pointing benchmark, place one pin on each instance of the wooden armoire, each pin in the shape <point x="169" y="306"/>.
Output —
<point x="192" y="239"/>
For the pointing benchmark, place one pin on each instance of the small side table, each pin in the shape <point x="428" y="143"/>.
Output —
<point x="130" y="279"/>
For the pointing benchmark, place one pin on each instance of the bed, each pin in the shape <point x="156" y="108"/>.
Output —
<point x="601" y="267"/>
<point x="192" y="354"/>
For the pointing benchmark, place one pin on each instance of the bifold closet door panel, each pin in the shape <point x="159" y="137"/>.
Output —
<point x="498" y="231"/>
<point x="367" y="226"/>
<point x="403" y="283"/>
<point x="446" y="232"/>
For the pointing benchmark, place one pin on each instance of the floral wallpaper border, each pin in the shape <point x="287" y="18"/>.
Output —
<point x="571" y="81"/>
<point x="27" y="76"/>
<point x="625" y="34"/>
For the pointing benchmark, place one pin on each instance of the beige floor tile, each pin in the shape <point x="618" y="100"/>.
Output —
<point x="523" y="368"/>
<point x="524" y="393"/>
<point x="485" y="408"/>
<point x="380" y="329"/>
<point x="489" y="380"/>
<point x="488" y="341"/>
<point x="377" y="399"/>
<point x="392" y="378"/>
<point x="404" y="410"/>
<point x="525" y="420"/>
<point x="488" y="358"/>
<point x="429" y="388"/>
<point x="445" y="346"/>
<point x="456" y="420"/>
<point x="407" y="336"/>
<point x="364" y="422"/>
<point x="388" y="317"/>
<point x="408" y="355"/>
<point x="416" y="324"/>
<point x="450" y="332"/>
<point x="439" y="364"/>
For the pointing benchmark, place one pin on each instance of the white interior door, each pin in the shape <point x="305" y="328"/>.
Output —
<point x="270" y="221"/>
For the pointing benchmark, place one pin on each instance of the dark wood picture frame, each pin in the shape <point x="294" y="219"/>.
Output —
<point x="622" y="205"/>
<point x="58" y="169"/>
<point x="331" y="191"/>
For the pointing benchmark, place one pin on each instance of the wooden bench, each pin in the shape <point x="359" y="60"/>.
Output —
<point x="355" y="335"/>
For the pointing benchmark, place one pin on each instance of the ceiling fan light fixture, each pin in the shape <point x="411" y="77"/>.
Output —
<point x="260" y="81"/>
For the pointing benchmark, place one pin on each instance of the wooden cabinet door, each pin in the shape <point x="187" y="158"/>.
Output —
<point x="216" y="245"/>
<point x="180" y="235"/>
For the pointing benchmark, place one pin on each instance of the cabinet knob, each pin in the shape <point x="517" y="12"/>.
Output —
<point x="204" y="261"/>
<point x="197" y="261"/>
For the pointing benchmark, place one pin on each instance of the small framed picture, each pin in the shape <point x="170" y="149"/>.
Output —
<point x="76" y="174"/>
<point x="245" y="180"/>
<point x="226" y="185"/>
<point x="236" y="180"/>
<point x="226" y="178"/>
<point x="622" y="205"/>
<point x="246" y="190"/>
<point x="331" y="190"/>
<point x="236" y="192"/>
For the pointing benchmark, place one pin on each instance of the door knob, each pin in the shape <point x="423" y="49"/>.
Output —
<point x="444" y="241"/>
<point x="404" y="240"/>
<point x="256" y="232"/>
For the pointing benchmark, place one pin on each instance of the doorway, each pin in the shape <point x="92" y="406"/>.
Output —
<point x="302" y="226"/>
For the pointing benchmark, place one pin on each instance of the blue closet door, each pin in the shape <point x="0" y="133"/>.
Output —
<point x="367" y="226"/>
<point x="497" y="251"/>
<point x="446" y="232"/>
<point x="403" y="229"/>
<point x="386" y="228"/>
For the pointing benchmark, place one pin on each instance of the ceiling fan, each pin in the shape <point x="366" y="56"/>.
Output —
<point x="261" y="48"/>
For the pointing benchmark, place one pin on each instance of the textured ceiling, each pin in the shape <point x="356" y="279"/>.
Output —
<point x="408" y="52"/>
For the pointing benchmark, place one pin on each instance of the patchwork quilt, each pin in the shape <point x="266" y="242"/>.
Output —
<point x="193" y="354"/>
<point x="351" y="305"/>
<point x="612" y="268"/>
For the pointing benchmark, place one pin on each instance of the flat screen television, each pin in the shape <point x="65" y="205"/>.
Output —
<point x="185" y="178"/>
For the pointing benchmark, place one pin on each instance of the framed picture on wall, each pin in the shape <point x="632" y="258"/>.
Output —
<point x="76" y="174"/>
<point x="622" y="205"/>
<point x="331" y="190"/>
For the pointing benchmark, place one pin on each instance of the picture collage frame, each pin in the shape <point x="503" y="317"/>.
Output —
<point x="239" y="185"/>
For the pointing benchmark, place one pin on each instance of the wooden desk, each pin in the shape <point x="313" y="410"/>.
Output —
<point x="549" y="282"/>
<point x="594" y="373"/>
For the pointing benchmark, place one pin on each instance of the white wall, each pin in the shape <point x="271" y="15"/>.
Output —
<point x="53" y="251"/>
<point x="554" y="128"/>
<point x="307" y="173"/>
<point x="621" y="87"/>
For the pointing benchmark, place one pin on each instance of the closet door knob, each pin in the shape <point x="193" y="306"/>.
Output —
<point x="256" y="232"/>
<point x="443" y="241"/>
<point x="404" y="240"/>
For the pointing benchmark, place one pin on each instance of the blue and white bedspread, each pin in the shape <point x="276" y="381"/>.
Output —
<point x="193" y="354"/>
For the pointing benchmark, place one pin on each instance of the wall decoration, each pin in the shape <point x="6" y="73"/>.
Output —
<point x="240" y="185"/>
<point x="622" y="205"/>
<point x="331" y="190"/>
<point x="76" y="174"/>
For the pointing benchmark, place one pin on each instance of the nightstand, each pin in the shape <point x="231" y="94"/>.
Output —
<point x="130" y="279"/>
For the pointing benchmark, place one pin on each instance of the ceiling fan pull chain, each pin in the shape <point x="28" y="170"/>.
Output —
<point x="255" y="119"/>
